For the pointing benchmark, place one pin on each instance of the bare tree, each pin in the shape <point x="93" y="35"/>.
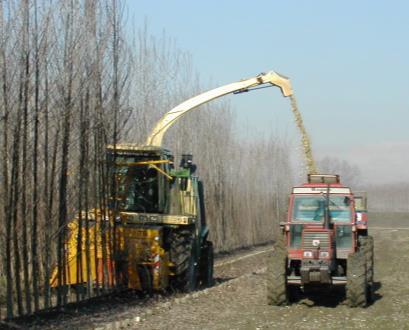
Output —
<point x="4" y="237"/>
<point x="350" y="173"/>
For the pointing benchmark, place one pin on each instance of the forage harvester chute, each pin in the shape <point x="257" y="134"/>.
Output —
<point x="272" y="78"/>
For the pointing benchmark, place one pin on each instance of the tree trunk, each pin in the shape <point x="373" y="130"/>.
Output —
<point x="34" y="233"/>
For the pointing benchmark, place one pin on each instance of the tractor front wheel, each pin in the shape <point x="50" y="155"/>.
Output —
<point x="277" y="275"/>
<point x="356" y="288"/>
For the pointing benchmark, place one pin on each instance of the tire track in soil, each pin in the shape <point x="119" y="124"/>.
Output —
<point x="116" y="311"/>
<point x="241" y="303"/>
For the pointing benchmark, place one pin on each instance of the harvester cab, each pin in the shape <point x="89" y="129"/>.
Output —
<point x="321" y="244"/>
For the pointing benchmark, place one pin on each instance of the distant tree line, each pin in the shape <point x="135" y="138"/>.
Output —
<point x="72" y="80"/>
<point x="388" y="197"/>
<point x="382" y="197"/>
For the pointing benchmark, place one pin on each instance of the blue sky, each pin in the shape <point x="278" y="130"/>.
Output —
<point x="348" y="62"/>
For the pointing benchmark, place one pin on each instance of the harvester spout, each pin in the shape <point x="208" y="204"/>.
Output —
<point x="278" y="80"/>
<point x="273" y="78"/>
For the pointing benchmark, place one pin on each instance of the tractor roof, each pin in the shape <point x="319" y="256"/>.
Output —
<point x="323" y="178"/>
<point x="320" y="189"/>
<point x="319" y="183"/>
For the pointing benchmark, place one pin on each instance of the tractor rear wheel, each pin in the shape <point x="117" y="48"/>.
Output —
<point x="277" y="275"/>
<point x="367" y="247"/>
<point x="206" y="265"/>
<point x="181" y="255"/>
<point x="356" y="288"/>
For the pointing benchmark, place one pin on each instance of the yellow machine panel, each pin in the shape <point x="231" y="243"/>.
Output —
<point x="146" y="261"/>
<point x="140" y="260"/>
<point x="76" y="267"/>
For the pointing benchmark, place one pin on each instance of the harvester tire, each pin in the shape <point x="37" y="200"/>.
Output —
<point x="356" y="288"/>
<point x="181" y="255"/>
<point x="277" y="275"/>
<point x="367" y="247"/>
<point x="189" y="279"/>
<point x="206" y="265"/>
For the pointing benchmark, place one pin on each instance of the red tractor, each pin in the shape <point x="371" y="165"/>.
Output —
<point x="324" y="242"/>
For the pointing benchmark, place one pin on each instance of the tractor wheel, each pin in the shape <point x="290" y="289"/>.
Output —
<point x="356" y="288"/>
<point x="277" y="275"/>
<point x="367" y="247"/>
<point x="181" y="255"/>
<point x="206" y="265"/>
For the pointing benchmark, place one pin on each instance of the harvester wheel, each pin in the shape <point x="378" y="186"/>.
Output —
<point x="356" y="288"/>
<point x="206" y="265"/>
<point x="367" y="247"/>
<point x="277" y="275"/>
<point x="188" y="279"/>
<point x="181" y="255"/>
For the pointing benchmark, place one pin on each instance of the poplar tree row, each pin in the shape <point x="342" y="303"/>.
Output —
<point x="73" y="79"/>
<point x="63" y="83"/>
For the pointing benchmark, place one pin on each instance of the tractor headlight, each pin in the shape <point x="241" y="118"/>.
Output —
<point x="324" y="254"/>
<point x="307" y="254"/>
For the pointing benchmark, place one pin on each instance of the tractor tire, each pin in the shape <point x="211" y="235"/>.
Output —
<point x="367" y="247"/>
<point x="277" y="294"/>
<point x="356" y="288"/>
<point x="206" y="265"/>
<point x="181" y="255"/>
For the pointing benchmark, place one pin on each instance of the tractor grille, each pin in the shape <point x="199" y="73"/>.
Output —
<point x="310" y="238"/>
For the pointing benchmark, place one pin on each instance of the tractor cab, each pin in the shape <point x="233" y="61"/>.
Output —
<point x="321" y="244"/>
<point x="320" y="230"/>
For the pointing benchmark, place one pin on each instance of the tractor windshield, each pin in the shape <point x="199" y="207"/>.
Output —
<point x="312" y="208"/>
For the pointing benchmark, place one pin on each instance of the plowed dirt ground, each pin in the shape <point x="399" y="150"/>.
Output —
<point x="238" y="301"/>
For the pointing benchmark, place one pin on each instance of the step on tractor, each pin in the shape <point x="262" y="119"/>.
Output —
<point x="323" y="243"/>
<point x="158" y="237"/>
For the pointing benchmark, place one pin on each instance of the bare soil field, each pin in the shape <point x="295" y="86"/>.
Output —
<point x="238" y="300"/>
